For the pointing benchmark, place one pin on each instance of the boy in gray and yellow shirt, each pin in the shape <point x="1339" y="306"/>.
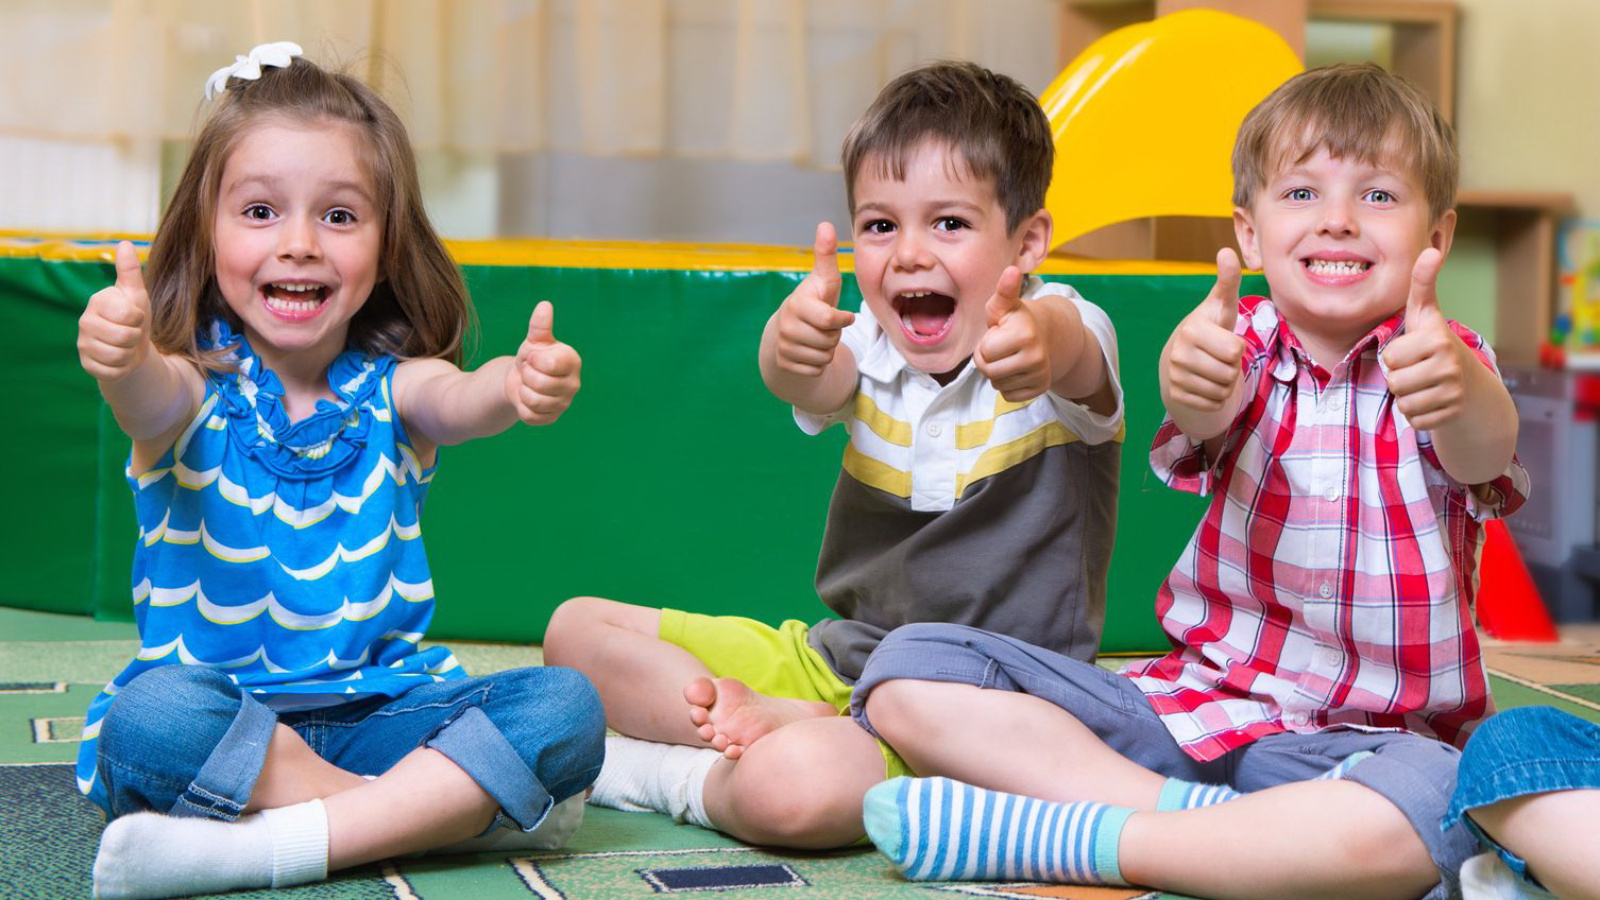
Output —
<point x="978" y="487"/>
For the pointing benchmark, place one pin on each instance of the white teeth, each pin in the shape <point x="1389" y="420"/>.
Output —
<point x="291" y="305"/>
<point x="1336" y="267"/>
<point x="915" y="294"/>
<point x="296" y="288"/>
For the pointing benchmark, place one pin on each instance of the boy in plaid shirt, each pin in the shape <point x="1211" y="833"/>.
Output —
<point x="1324" y="662"/>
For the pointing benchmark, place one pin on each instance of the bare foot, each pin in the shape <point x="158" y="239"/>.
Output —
<point x="731" y="716"/>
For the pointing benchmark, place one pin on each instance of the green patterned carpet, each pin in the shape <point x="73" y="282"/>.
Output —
<point x="50" y="666"/>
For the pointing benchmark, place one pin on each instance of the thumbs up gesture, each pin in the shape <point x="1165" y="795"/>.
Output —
<point x="1013" y="354"/>
<point x="1427" y="362"/>
<point x="541" y="384"/>
<point x="114" y="330"/>
<point x="1200" y="367"/>
<point x="809" y="322"/>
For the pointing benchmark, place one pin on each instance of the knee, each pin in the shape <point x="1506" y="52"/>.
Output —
<point x="894" y="708"/>
<point x="781" y="809"/>
<point x="147" y="712"/>
<point x="1510" y="736"/>
<point x="552" y="717"/>
<point x="569" y="624"/>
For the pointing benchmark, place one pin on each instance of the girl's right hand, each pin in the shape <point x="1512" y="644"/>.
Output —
<point x="114" y="331"/>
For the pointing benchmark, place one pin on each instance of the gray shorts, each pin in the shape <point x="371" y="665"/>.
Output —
<point x="1415" y="773"/>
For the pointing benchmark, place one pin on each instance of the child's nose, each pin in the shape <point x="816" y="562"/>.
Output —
<point x="1338" y="218"/>
<point x="911" y="250"/>
<point x="297" y="239"/>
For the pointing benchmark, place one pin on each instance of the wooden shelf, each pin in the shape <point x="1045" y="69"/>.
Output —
<point x="1424" y="33"/>
<point x="1523" y="226"/>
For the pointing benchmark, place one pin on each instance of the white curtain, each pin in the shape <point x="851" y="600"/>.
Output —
<point x="744" y="80"/>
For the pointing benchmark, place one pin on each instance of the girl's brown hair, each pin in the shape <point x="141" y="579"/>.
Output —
<point x="419" y="308"/>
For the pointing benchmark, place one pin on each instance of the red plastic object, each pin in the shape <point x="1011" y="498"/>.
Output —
<point x="1509" y="607"/>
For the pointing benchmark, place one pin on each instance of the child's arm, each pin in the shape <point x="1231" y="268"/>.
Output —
<point x="1201" y="381"/>
<point x="1442" y="388"/>
<point x="800" y="359"/>
<point x="152" y="395"/>
<point x="442" y="405"/>
<point x="1042" y="345"/>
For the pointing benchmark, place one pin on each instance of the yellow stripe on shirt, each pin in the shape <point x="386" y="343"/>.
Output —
<point x="882" y="424"/>
<point x="875" y="474"/>
<point x="1002" y="457"/>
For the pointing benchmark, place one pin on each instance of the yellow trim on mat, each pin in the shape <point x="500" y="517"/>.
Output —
<point x="587" y="255"/>
<point x="889" y="428"/>
<point x="875" y="474"/>
<point x="998" y="459"/>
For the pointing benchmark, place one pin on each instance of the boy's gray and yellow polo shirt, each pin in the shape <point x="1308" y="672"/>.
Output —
<point x="956" y="505"/>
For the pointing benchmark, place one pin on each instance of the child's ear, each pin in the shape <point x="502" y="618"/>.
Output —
<point x="1444" y="232"/>
<point x="1035" y="232"/>
<point x="1244" y="230"/>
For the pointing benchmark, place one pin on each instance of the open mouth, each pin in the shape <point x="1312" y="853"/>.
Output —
<point x="295" y="300"/>
<point x="925" y="316"/>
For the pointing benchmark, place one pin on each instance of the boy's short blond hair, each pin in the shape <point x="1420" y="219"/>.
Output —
<point x="1358" y="112"/>
<point x="992" y="125"/>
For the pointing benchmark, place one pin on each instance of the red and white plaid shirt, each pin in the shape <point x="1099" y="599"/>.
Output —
<point x="1331" y="581"/>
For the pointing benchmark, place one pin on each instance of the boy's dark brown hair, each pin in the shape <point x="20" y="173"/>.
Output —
<point x="992" y="125"/>
<point x="419" y="307"/>
<point x="1356" y="112"/>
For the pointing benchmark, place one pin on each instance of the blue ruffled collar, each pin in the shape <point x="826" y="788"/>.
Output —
<point x="252" y="400"/>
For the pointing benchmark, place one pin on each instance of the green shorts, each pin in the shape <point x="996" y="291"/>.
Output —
<point x="778" y="662"/>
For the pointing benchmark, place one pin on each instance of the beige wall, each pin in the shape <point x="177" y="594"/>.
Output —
<point x="1528" y="97"/>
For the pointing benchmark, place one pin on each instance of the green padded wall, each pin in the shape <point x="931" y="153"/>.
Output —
<point x="675" y="479"/>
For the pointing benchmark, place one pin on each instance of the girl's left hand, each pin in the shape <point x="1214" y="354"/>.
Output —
<point x="541" y="384"/>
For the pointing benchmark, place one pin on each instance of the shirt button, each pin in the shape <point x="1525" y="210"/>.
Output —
<point x="933" y="429"/>
<point x="1326" y="590"/>
<point x="1297" y="718"/>
<point x="1332" y="494"/>
<point x="1330" y="656"/>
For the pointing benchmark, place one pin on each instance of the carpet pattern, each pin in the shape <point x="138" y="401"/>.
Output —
<point x="51" y="666"/>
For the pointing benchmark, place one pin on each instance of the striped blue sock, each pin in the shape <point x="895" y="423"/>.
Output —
<point x="939" y="829"/>
<point x="1179" y="794"/>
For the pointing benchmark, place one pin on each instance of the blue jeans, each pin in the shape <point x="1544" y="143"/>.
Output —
<point x="1415" y="773"/>
<point x="185" y="740"/>
<point x="1529" y="750"/>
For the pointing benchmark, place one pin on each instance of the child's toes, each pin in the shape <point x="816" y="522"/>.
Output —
<point x="700" y="692"/>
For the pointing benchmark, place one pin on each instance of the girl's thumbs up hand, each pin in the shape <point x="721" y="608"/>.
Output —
<point x="114" y="330"/>
<point x="546" y="376"/>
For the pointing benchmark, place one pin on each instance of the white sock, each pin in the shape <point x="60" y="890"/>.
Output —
<point x="646" y="776"/>
<point x="148" y="855"/>
<point x="553" y="833"/>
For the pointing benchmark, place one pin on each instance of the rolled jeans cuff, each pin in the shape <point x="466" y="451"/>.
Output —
<point x="472" y="742"/>
<point x="222" y="787"/>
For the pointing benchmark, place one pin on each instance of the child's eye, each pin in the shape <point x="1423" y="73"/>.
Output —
<point x="949" y="223"/>
<point x="878" y="226"/>
<point x="1379" y="195"/>
<point x="1300" y="195"/>
<point x="339" y="216"/>
<point x="259" y="211"/>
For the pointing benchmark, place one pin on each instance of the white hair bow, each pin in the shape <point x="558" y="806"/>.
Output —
<point x="278" y="54"/>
